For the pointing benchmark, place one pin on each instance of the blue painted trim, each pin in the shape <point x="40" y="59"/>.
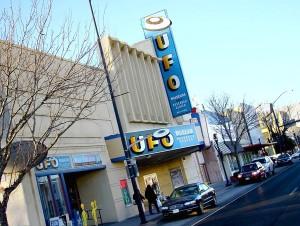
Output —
<point x="118" y="159"/>
<point x="113" y="136"/>
<point x="75" y="170"/>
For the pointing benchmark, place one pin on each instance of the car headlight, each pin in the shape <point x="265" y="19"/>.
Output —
<point x="164" y="208"/>
<point x="190" y="203"/>
<point x="240" y="176"/>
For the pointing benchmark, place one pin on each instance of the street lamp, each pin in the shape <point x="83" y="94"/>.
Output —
<point x="221" y="159"/>
<point x="124" y="145"/>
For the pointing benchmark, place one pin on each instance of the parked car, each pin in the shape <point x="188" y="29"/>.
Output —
<point x="189" y="198"/>
<point x="284" y="159"/>
<point x="252" y="172"/>
<point x="296" y="155"/>
<point x="268" y="164"/>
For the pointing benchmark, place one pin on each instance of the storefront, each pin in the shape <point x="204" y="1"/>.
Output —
<point x="57" y="178"/>
<point x="165" y="163"/>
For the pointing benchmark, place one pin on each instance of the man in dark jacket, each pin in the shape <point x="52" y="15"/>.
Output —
<point x="151" y="197"/>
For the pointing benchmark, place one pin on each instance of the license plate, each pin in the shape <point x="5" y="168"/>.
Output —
<point x="247" y="178"/>
<point x="175" y="211"/>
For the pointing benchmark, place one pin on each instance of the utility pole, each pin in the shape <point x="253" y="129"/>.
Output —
<point x="126" y="150"/>
<point x="277" y="127"/>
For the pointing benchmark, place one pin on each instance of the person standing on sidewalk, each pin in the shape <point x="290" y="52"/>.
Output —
<point x="151" y="197"/>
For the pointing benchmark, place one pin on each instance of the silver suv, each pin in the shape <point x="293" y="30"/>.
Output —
<point x="268" y="164"/>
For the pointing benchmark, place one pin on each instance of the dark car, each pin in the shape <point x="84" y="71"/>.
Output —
<point x="252" y="172"/>
<point x="189" y="198"/>
<point x="284" y="159"/>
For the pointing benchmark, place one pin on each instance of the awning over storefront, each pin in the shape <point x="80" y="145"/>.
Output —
<point x="257" y="147"/>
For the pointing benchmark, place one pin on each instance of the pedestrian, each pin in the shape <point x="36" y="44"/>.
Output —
<point x="151" y="197"/>
<point x="135" y="197"/>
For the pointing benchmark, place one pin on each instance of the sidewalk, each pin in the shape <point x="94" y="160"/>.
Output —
<point x="224" y="195"/>
<point x="220" y="188"/>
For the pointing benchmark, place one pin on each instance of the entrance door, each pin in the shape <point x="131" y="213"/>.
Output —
<point x="74" y="197"/>
<point x="52" y="196"/>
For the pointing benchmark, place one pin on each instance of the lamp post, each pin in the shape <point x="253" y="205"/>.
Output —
<point x="221" y="159"/>
<point x="124" y="145"/>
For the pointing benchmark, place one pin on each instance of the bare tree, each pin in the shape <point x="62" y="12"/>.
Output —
<point x="233" y="122"/>
<point x="277" y="128"/>
<point x="41" y="94"/>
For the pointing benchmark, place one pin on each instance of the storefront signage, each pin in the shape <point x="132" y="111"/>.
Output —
<point x="125" y="192"/>
<point x="143" y="142"/>
<point x="157" y="27"/>
<point x="65" y="163"/>
<point x="49" y="162"/>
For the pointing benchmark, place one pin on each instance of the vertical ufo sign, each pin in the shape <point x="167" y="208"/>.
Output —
<point x="157" y="27"/>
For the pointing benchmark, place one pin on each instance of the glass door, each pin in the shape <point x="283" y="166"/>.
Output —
<point x="58" y="195"/>
<point x="52" y="196"/>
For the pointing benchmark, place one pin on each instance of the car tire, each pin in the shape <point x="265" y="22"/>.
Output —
<point x="214" y="202"/>
<point x="200" y="208"/>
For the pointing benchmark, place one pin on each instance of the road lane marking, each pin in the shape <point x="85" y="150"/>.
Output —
<point x="293" y="192"/>
<point x="252" y="189"/>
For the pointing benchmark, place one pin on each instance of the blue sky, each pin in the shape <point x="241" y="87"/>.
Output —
<point x="246" y="48"/>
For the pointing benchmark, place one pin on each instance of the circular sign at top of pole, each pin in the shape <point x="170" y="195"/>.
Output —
<point x="157" y="23"/>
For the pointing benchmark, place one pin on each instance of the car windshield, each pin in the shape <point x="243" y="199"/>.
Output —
<point x="249" y="167"/>
<point x="184" y="191"/>
<point x="260" y="160"/>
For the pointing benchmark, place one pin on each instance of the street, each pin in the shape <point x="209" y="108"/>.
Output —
<point x="274" y="203"/>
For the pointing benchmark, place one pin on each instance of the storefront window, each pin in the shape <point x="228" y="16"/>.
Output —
<point x="58" y="194"/>
<point x="176" y="177"/>
<point x="232" y="162"/>
<point x="46" y="197"/>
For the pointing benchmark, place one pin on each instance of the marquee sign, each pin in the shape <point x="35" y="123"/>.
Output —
<point x="157" y="27"/>
<point x="179" y="137"/>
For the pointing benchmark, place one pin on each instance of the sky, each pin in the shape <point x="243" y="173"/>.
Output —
<point x="245" y="48"/>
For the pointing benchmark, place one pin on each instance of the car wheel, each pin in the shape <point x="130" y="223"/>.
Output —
<point x="214" y="201"/>
<point x="200" y="208"/>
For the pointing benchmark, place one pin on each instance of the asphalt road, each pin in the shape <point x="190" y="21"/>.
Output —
<point x="275" y="202"/>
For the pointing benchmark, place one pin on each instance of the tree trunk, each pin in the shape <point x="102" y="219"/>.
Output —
<point x="237" y="160"/>
<point x="3" y="217"/>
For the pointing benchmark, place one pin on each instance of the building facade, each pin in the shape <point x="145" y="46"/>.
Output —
<point x="87" y="164"/>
